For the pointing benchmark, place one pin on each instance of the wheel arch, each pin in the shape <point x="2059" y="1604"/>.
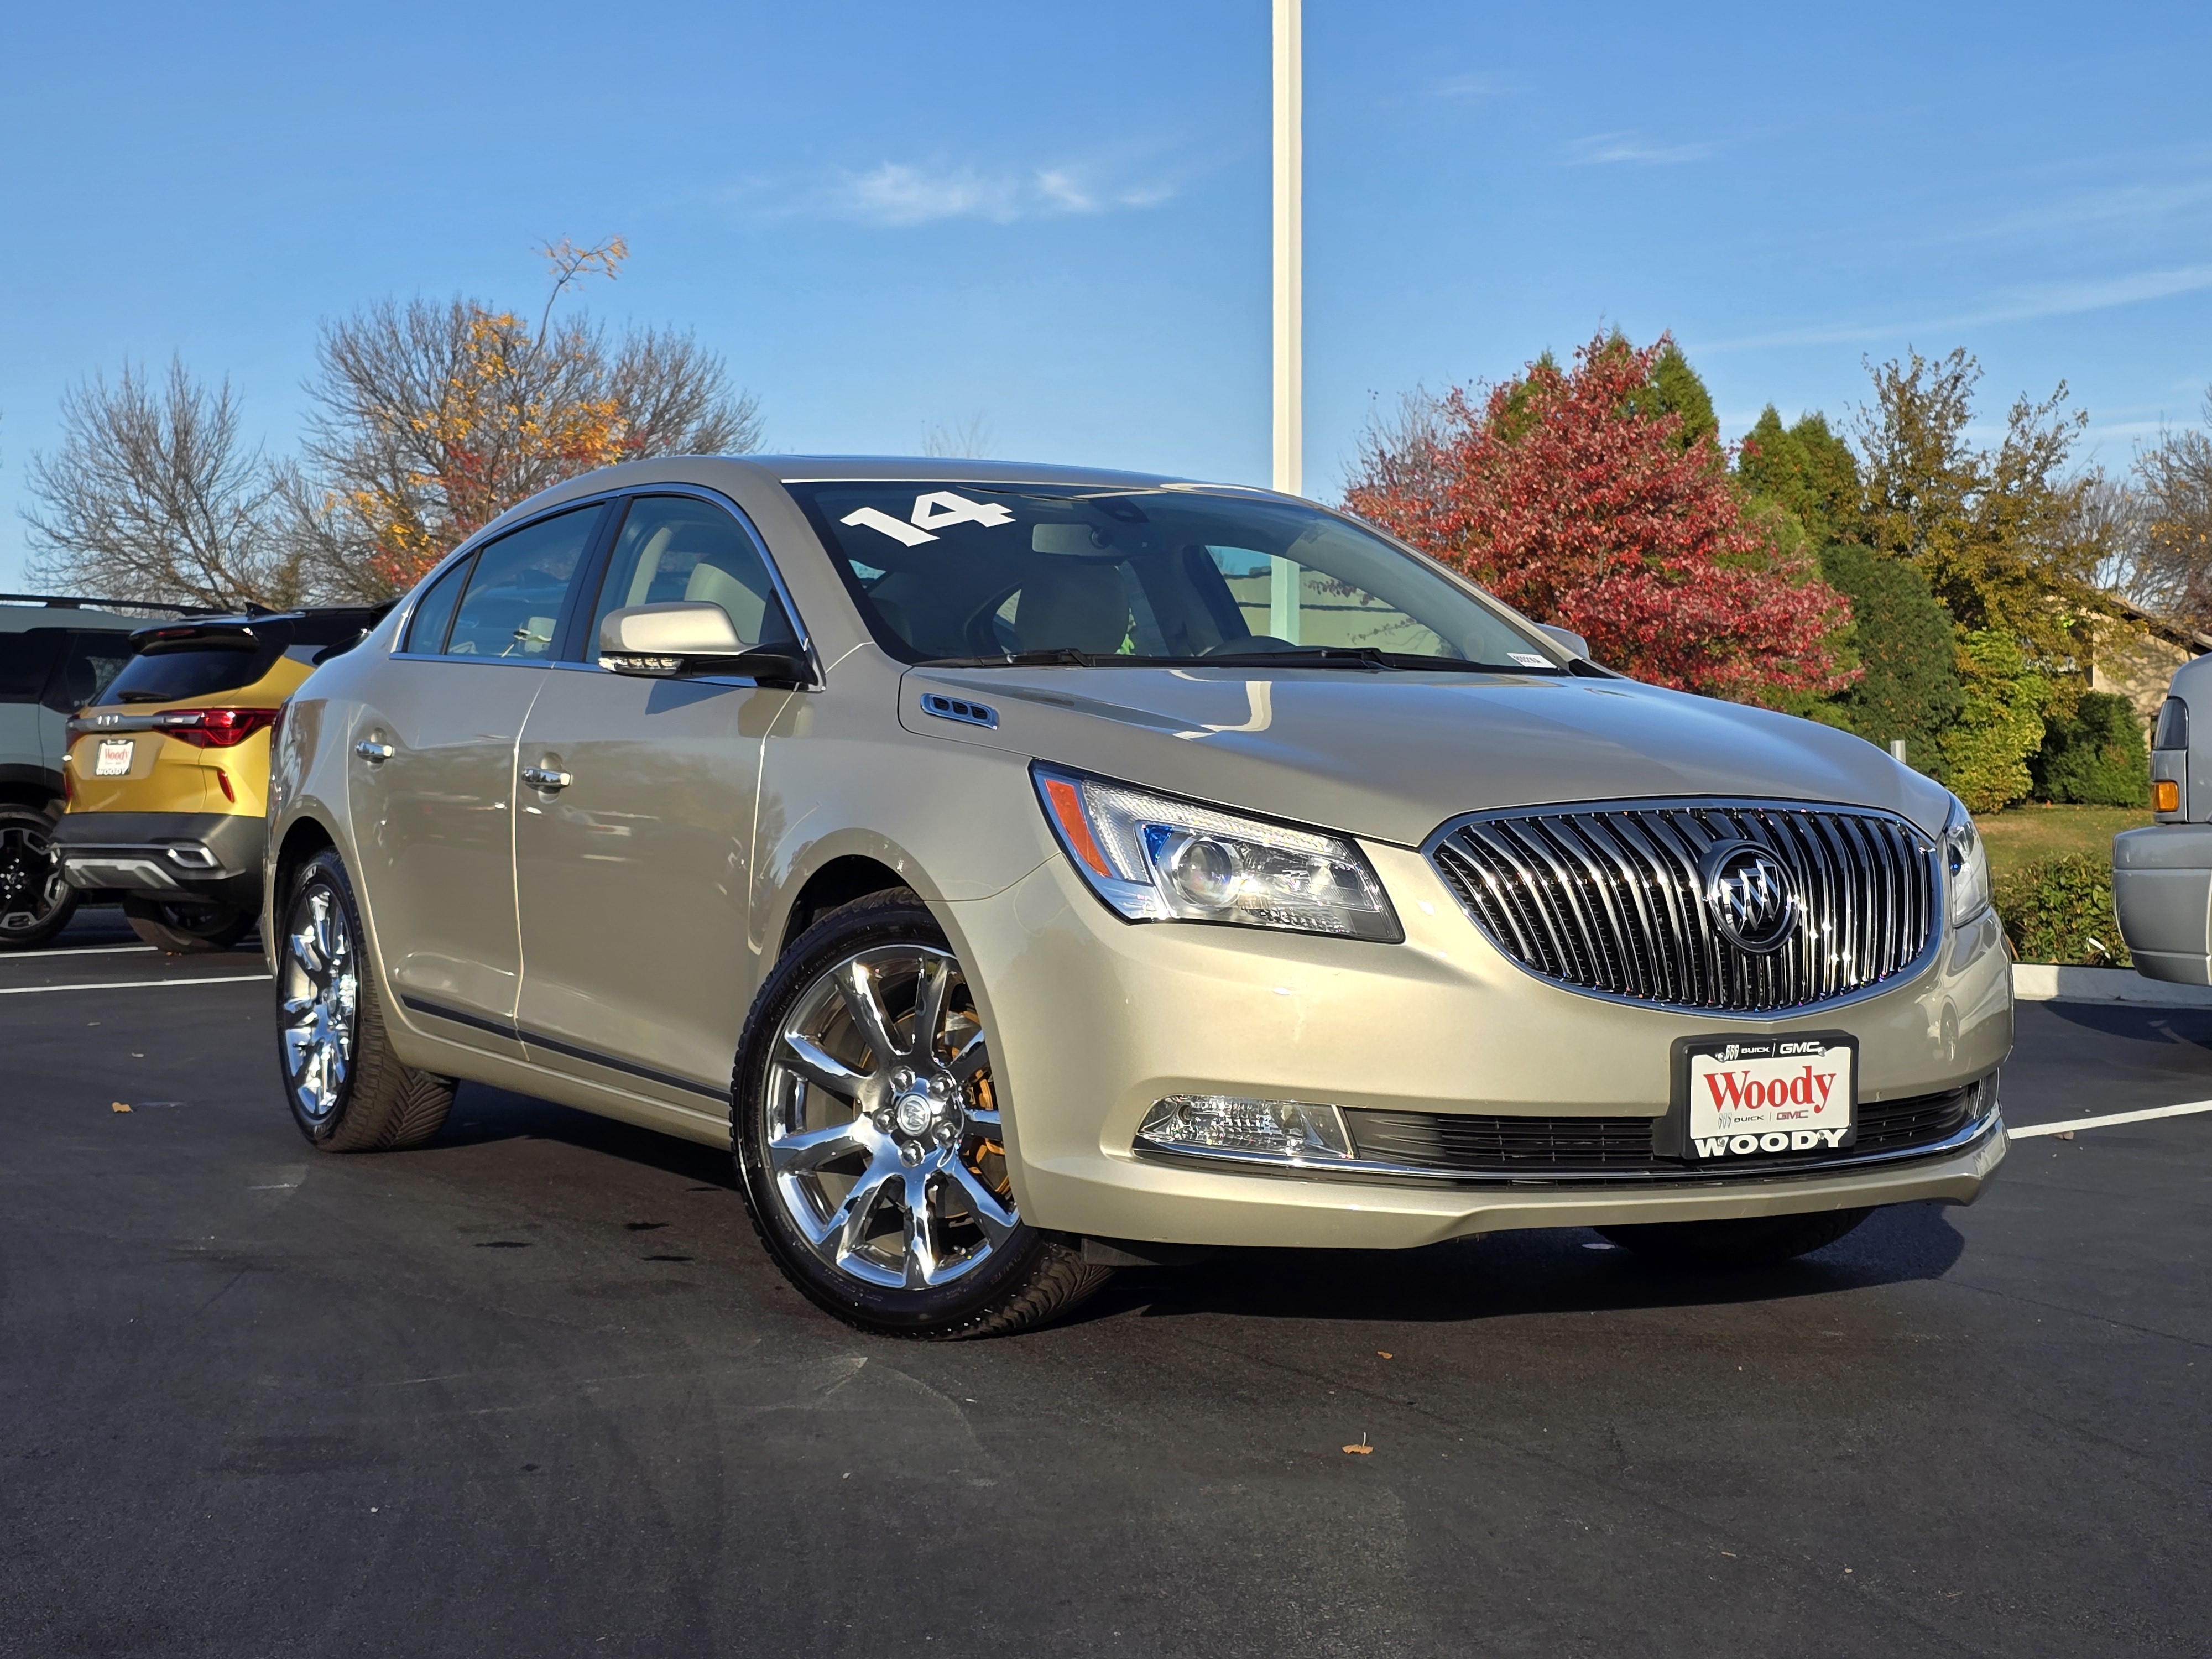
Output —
<point x="838" y="881"/>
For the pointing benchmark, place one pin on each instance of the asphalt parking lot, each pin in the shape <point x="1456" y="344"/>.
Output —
<point x="534" y="1389"/>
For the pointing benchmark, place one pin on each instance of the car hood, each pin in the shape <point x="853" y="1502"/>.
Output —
<point x="1392" y="756"/>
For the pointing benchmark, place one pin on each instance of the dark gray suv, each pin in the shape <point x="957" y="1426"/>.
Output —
<point x="56" y="656"/>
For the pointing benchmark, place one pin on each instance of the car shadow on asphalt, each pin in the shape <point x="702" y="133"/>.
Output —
<point x="1505" y="1274"/>
<point x="482" y="1115"/>
<point x="2139" y="1022"/>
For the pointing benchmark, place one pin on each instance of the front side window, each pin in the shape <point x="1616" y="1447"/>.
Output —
<point x="968" y="573"/>
<point x="674" y="549"/>
<point x="516" y="586"/>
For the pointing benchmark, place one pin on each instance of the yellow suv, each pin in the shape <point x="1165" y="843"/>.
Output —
<point x="167" y="774"/>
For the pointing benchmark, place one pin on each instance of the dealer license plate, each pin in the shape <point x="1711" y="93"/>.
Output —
<point x="1772" y="1095"/>
<point x="114" y="760"/>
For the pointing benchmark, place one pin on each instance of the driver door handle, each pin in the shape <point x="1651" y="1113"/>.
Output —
<point x="545" y="777"/>
<point x="373" y="752"/>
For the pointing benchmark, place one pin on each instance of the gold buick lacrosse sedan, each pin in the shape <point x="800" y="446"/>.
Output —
<point x="1027" y="869"/>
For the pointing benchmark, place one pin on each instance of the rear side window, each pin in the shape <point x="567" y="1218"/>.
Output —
<point x="2172" y="726"/>
<point x="673" y="549"/>
<point x="426" y="629"/>
<point x="25" y="660"/>
<point x="195" y="670"/>
<point x="515" y="590"/>
<point x="93" y="662"/>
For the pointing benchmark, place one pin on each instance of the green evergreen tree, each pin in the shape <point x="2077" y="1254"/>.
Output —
<point x="1676" y="389"/>
<point x="1985" y="750"/>
<point x="1807" y="469"/>
<point x="1906" y="646"/>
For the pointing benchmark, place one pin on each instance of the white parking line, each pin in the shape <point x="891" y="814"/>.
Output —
<point x="2108" y="1119"/>
<point x="73" y="951"/>
<point x="132" y="984"/>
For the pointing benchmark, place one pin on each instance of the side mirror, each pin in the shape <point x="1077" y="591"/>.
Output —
<point x="661" y="641"/>
<point x="1575" y="643"/>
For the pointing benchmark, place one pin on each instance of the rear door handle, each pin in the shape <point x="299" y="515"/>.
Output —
<point x="373" y="752"/>
<point x="545" y="777"/>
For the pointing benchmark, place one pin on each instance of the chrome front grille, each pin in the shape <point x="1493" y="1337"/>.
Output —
<point x="1608" y="899"/>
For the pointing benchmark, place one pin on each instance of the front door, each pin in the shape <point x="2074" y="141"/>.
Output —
<point x="432" y="790"/>
<point x="633" y="848"/>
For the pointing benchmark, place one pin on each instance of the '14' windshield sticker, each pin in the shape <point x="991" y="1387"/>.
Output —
<point x="934" y="512"/>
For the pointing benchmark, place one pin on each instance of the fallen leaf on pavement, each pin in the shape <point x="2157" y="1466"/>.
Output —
<point x="117" y="1106"/>
<point x="1362" y="1449"/>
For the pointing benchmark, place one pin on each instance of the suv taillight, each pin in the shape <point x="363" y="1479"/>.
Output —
<point x="213" y="728"/>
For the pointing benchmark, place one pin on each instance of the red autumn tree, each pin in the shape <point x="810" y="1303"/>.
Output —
<point x="1578" y="497"/>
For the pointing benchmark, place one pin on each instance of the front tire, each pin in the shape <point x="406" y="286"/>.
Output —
<point x="1754" y="1242"/>
<point x="348" y="1091"/>
<point x="36" y="903"/>
<point x="186" y="927"/>
<point x="867" y="1138"/>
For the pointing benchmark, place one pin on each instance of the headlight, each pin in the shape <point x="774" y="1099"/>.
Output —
<point x="1966" y="868"/>
<point x="1153" y="858"/>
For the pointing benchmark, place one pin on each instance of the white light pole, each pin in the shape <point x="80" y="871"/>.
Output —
<point x="1284" y="576"/>
<point x="1290" y="391"/>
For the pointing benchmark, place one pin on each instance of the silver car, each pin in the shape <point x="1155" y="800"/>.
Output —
<point x="1029" y="870"/>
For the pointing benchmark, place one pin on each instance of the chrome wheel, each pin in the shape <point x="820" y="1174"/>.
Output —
<point x="881" y="1132"/>
<point x="318" y="988"/>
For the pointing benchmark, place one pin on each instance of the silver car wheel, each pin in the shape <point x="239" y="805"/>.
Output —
<point x="884" y="1140"/>
<point x="318" y="1002"/>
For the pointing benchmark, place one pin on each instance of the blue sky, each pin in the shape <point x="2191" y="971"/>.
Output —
<point x="1054" y="219"/>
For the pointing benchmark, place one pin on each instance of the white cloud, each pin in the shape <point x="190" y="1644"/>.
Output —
<point x="1479" y="85"/>
<point x="901" y="193"/>
<point x="1618" y="148"/>
<point x="2020" y="305"/>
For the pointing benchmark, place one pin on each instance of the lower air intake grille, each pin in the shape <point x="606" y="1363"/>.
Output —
<point x="1552" y="1147"/>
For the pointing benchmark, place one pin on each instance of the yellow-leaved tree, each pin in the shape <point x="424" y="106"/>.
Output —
<point x="429" y="420"/>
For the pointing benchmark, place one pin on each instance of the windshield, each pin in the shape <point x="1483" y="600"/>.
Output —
<point x="969" y="574"/>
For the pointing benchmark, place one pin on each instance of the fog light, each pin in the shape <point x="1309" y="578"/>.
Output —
<point x="1226" y="1124"/>
<point x="2165" y="796"/>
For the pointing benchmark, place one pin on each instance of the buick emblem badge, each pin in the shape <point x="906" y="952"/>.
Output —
<point x="1751" y="894"/>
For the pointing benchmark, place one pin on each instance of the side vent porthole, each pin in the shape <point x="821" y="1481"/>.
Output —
<point x="959" y="708"/>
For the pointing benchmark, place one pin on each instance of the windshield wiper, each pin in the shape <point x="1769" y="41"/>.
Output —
<point x="1057" y="656"/>
<point x="1366" y="658"/>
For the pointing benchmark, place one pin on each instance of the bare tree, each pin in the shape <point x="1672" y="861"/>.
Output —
<point x="970" y="440"/>
<point x="430" y="420"/>
<point x="154" y="496"/>
<point x="2174" y="479"/>
<point x="1403" y="449"/>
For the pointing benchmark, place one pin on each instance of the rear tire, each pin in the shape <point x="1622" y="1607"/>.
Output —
<point x="874" y="1166"/>
<point x="1754" y="1242"/>
<point x="36" y="903"/>
<point x="348" y="1091"/>
<point x="186" y="927"/>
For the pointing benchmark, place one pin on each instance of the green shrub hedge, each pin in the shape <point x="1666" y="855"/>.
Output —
<point x="2098" y="757"/>
<point x="2060" y="910"/>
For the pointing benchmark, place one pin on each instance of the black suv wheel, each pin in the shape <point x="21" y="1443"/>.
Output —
<point x="36" y="903"/>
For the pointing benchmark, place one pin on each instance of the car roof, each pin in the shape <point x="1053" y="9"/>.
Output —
<point x="22" y="612"/>
<point x="855" y="469"/>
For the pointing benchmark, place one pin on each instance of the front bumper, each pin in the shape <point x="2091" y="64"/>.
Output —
<point x="2162" y="899"/>
<point x="1093" y="1020"/>
<point x="210" y="856"/>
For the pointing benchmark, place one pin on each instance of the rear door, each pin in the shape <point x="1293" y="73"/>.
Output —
<point x="633" y="876"/>
<point x="432" y="776"/>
